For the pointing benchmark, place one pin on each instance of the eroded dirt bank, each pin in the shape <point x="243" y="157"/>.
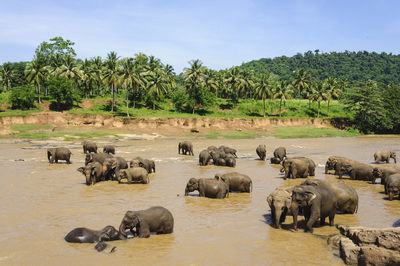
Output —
<point x="165" y="125"/>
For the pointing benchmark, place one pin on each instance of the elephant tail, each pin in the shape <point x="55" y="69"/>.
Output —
<point x="251" y="186"/>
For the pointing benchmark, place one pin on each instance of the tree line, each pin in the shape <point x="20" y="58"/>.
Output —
<point x="55" y="72"/>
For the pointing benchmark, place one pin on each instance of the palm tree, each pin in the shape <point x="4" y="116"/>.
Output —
<point x="210" y="81"/>
<point x="6" y="74"/>
<point x="170" y="75"/>
<point x="36" y="73"/>
<point x="88" y="76"/>
<point x="318" y="94"/>
<point x="194" y="79"/>
<point x="97" y="67"/>
<point x="111" y="74"/>
<point x="263" y="90"/>
<point x="247" y="84"/>
<point x="157" y="85"/>
<point x="70" y="69"/>
<point x="331" y="89"/>
<point x="233" y="83"/>
<point x="282" y="92"/>
<point x="130" y="78"/>
<point x="302" y="80"/>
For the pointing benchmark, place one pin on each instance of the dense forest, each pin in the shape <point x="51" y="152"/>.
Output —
<point x="366" y="84"/>
<point x="355" y="67"/>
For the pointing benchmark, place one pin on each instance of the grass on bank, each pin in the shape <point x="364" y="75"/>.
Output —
<point x="311" y="132"/>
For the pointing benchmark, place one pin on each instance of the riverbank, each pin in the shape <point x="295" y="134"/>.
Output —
<point x="45" y="125"/>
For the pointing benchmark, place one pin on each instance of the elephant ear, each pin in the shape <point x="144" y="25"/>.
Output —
<point x="311" y="196"/>
<point x="270" y="200"/>
<point x="81" y="169"/>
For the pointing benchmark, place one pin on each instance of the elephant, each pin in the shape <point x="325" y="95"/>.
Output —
<point x="298" y="167"/>
<point x="384" y="156"/>
<point x="204" y="158"/>
<point x="85" y="235"/>
<point x="357" y="171"/>
<point x="208" y="187"/>
<point x="217" y="154"/>
<point x="317" y="202"/>
<point x="261" y="151"/>
<point x="111" y="165"/>
<point x="333" y="161"/>
<point x="280" y="153"/>
<point x="97" y="157"/>
<point x="275" y="160"/>
<point x="231" y="162"/>
<point x="236" y="181"/>
<point x="346" y="196"/>
<point x="89" y="146"/>
<point x="383" y="173"/>
<point x="185" y="147"/>
<point x="93" y="173"/>
<point x="109" y="149"/>
<point x="228" y="150"/>
<point x="149" y="165"/>
<point x="280" y="201"/>
<point x="393" y="185"/>
<point x="152" y="220"/>
<point x="55" y="154"/>
<point x="212" y="148"/>
<point x="133" y="175"/>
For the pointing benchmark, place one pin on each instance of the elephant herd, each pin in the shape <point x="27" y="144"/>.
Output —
<point x="315" y="199"/>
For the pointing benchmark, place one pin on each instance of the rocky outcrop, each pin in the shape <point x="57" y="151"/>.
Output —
<point x="368" y="246"/>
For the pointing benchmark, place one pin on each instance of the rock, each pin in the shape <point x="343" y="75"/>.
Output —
<point x="193" y="130"/>
<point x="373" y="255"/>
<point x="349" y="251"/>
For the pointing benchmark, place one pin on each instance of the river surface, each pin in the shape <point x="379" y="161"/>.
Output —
<point x="42" y="202"/>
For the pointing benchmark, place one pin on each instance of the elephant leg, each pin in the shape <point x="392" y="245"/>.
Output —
<point x="313" y="218"/>
<point x="322" y="221"/>
<point x="273" y="217"/>
<point x="295" y="211"/>
<point x="332" y="217"/>
<point x="144" y="231"/>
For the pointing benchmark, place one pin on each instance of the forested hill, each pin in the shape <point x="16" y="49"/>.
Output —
<point x="354" y="66"/>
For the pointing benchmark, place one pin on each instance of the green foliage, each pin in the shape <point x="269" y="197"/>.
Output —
<point x="180" y="99"/>
<point x="23" y="97"/>
<point x="63" y="91"/>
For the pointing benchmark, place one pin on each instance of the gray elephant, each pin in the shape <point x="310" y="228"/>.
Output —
<point x="298" y="167"/>
<point x="275" y="160"/>
<point x="383" y="173"/>
<point x="111" y="165"/>
<point x="280" y="203"/>
<point x="152" y="220"/>
<point x="280" y="153"/>
<point x="186" y="147"/>
<point x="89" y="146"/>
<point x="228" y="150"/>
<point x="384" y="156"/>
<point x="109" y="149"/>
<point x="261" y="151"/>
<point x="204" y="158"/>
<point x="56" y="154"/>
<point x="393" y="185"/>
<point x="212" y="148"/>
<point x="133" y="175"/>
<point x="149" y="165"/>
<point x="346" y="196"/>
<point x="236" y="181"/>
<point x="93" y="173"/>
<point x="333" y="163"/>
<point x="85" y="235"/>
<point x="97" y="157"/>
<point x="230" y="162"/>
<point x="208" y="187"/>
<point x="356" y="171"/>
<point x="317" y="202"/>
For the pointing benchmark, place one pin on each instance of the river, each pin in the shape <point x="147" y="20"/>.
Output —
<point x="42" y="202"/>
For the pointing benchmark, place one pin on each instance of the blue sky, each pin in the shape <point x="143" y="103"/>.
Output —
<point x="219" y="33"/>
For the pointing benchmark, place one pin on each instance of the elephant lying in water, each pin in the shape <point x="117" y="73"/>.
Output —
<point x="133" y="175"/>
<point x="384" y="156"/>
<point x="298" y="167"/>
<point x="56" y="154"/>
<point x="316" y="201"/>
<point x="280" y="203"/>
<point x="153" y="220"/>
<point x="236" y="181"/>
<point x="208" y="187"/>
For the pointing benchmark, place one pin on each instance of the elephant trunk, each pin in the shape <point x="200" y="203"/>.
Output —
<point x="122" y="228"/>
<point x="395" y="161"/>
<point x="294" y="208"/>
<point x="186" y="191"/>
<point x="391" y="194"/>
<point x="278" y="213"/>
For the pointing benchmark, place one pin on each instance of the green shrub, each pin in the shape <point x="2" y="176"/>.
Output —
<point x="63" y="91"/>
<point x="180" y="99"/>
<point x="23" y="97"/>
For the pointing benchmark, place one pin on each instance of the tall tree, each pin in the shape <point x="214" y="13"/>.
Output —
<point x="130" y="78"/>
<point x="88" y="76"/>
<point x="282" y="92"/>
<point x="157" y="85"/>
<point x="97" y="67"/>
<point x="263" y="90"/>
<point x="70" y="69"/>
<point x="36" y="73"/>
<point x="247" y="84"/>
<point x="111" y="74"/>
<point x="233" y="83"/>
<point x="318" y="94"/>
<point x="331" y="89"/>
<point x="194" y="80"/>
<point x="302" y="80"/>
<point x="7" y="73"/>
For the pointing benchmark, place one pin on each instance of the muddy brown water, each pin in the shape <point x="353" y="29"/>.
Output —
<point x="41" y="203"/>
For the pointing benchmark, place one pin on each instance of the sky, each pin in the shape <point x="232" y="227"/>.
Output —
<point x="221" y="34"/>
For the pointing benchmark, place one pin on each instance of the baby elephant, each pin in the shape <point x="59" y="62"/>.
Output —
<point x="133" y="175"/>
<point x="149" y="165"/>
<point x="93" y="172"/>
<point x="208" y="187"/>
<point x="55" y="154"/>
<point x="384" y="156"/>
<point x="236" y="181"/>
<point x="392" y="185"/>
<point x="261" y="151"/>
<point x="109" y="149"/>
<point x="280" y="201"/>
<point x="85" y="235"/>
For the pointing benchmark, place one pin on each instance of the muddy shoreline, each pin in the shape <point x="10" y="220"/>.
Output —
<point x="166" y="126"/>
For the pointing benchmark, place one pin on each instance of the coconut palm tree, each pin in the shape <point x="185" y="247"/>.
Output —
<point x="302" y="80"/>
<point x="88" y="76"/>
<point x="130" y="78"/>
<point x="210" y="81"/>
<point x="233" y="83"/>
<point x="247" y="84"/>
<point x="97" y="67"/>
<point x="194" y="77"/>
<point x="318" y="94"/>
<point x="331" y="89"/>
<point x="263" y="90"/>
<point x="110" y="74"/>
<point x="70" y="69"/>
<point x="157" y="85"/>
<point x="6" y="74"/>
<point x="170" y="75"/>
<point x="36" y="73"/>
<point x="282" y="92"/>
